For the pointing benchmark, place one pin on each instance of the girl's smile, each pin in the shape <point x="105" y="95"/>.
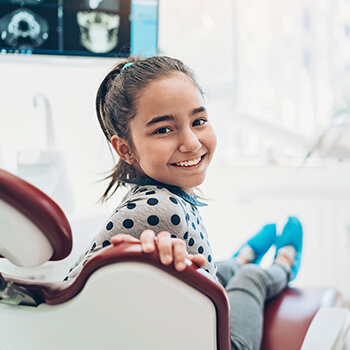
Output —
<point x="173" y="141"/>
<point x="189" y="163"/>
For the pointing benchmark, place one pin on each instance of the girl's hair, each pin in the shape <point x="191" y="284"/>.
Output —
<point x="116" y="103"/>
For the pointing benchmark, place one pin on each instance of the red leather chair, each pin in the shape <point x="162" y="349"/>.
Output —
<point x="123" y="298"/>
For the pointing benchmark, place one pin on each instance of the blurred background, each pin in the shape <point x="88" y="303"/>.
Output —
<point x="276" y="77"/>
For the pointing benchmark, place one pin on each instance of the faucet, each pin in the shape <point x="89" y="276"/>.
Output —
<point x="50" y="134"/>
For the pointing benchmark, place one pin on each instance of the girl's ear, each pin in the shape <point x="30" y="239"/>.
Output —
<point x="123" y="149"/>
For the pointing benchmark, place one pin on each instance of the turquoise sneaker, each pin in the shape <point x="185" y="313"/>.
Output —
<point x="260" y="243"/>
<point x="292" y="235"/>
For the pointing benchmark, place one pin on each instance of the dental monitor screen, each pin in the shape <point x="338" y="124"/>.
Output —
<point x="98" y="28"/>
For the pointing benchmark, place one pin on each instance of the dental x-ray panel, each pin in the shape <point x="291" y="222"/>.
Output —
<point x="102" y="28"/>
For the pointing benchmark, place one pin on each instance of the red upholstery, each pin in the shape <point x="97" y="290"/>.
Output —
<point x="40" y="209"/>
<point x="288" y="317"/>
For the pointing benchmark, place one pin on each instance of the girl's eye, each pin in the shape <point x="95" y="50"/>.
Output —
<point x="164" y="130"/>
<point x="199" y="122"/>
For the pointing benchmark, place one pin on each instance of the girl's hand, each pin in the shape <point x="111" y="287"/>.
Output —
<point x="169" y="249"/>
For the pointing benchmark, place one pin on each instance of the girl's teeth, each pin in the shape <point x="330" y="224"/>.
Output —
<point x="190" y="162"/>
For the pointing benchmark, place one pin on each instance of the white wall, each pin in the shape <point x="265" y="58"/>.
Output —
<point x="202" y="36"/>
<point x="70" y="86"/>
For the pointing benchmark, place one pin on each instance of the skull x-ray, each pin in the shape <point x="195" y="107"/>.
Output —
<point x="98" y="30"/>
<point x="24" y="29"/>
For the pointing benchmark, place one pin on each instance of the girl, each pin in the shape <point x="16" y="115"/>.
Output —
<point x="152" y="111"/>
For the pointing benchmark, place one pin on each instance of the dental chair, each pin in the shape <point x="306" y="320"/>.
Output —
<point x="124" y="299"/>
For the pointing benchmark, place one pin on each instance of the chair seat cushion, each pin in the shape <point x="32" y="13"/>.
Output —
<point x="288" y="317"/>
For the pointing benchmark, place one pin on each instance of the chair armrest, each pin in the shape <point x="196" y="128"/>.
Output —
<point x="328" y="330"/>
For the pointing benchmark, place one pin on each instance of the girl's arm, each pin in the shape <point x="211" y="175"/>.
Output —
<point x="170" y="249"/>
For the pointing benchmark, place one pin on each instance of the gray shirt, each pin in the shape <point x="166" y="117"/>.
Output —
<point x="159" y="208"/>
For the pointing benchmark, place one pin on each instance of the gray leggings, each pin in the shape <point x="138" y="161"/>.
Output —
<point x="248" y="287"/>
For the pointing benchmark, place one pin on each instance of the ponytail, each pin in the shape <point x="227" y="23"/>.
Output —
<point x="121" y="171"/>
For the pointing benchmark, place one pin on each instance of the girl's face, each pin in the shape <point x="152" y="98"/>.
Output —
<point x="172" y="137"/>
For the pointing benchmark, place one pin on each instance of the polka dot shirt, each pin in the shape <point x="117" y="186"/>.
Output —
<point x="160" y="208"/>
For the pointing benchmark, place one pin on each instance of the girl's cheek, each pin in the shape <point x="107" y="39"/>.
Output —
<point x="212" y="137"/>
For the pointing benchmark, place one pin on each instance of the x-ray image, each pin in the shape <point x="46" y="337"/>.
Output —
<point x="24" y="29"/>
<point x="101" y="31"/>
<point x="98" y="30"/>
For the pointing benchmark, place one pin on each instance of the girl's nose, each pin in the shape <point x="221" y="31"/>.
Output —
<point x="189" y="142"/>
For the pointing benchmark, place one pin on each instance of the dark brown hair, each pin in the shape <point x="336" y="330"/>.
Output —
<point x="116" y="103"/>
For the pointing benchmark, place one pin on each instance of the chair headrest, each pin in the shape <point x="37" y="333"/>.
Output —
<point x="32" y="226"/>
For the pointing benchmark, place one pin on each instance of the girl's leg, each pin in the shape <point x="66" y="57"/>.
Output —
<point x="226" y="270"/>
<point x="251" y="286"/>
<point x="247" y="291"/>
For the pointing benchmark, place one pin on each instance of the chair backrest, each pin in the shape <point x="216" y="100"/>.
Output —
<point x="127" y="296"/>
<point x="33" y="228"/>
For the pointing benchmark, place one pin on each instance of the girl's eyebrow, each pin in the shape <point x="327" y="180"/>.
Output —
<point x="160" y="119"/>
<point x="163" y="118"/>
<point x="198" y="110"/>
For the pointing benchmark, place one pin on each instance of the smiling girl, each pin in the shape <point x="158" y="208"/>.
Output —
<point x="153" y="113"/>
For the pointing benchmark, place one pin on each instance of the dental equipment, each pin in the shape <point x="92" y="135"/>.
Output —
<point x="104" y="306"/>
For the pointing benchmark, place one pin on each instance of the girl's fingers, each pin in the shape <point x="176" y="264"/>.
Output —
<point x="147" y="240"/>
<point x="180" y="254"/>
<point x="122" y="237"/>
<point x="197" y="259"/>
<point x="165" y="249"/>
<point x="169" y="249"/>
